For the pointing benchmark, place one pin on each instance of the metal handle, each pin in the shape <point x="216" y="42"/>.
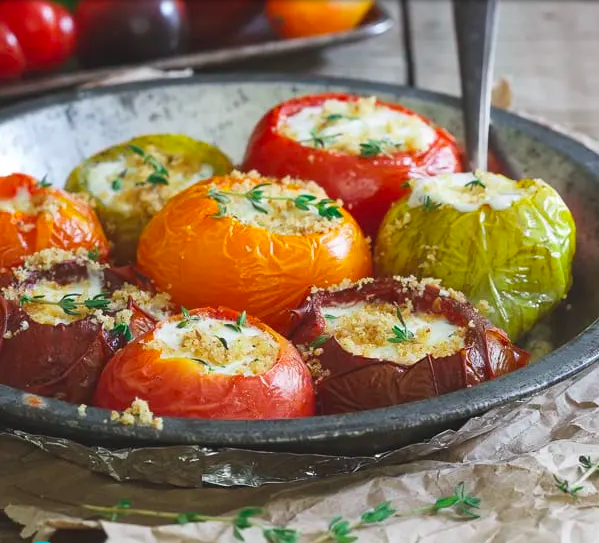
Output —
<point x="475" y="25"/>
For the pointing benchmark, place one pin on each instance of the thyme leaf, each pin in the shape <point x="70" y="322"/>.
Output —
<point x="400" y="333"/>
<point x="123" y="330"/>
<point x="429" y="204"/>
<point x="476" y="182"/>
<point x="239" y="324"/>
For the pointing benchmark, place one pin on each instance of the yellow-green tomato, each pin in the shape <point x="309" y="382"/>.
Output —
<point x="508" y="245"/>
<point x="133" y="180"/>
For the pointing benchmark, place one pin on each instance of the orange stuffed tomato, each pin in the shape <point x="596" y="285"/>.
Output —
<point x="34" y="216"/>
<point x="389" y="341"/>
<point x="360" y="150"/>
<point x="63" y="316"/>
<point x="253" y="243"/>
<point x="210" y="363"/>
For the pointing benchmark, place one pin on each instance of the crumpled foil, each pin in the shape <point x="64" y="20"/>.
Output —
<point x="196" y="466"/>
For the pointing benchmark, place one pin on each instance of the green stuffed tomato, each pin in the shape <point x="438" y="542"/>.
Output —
<point x="132" y="181"/>
<point x="508" y="245"/>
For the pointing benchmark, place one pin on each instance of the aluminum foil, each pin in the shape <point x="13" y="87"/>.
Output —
<point x="194" y="466"/>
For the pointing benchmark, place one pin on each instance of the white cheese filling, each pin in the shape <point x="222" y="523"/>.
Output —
<point x="365" y="328"/>
<point x="21" y="202"/>
<point x="215" y="346"/>
<point x="50" y="313"/>
<point x="467" y="192"/>
<point x="101" y="176"/>
<point x="343" y="126"/>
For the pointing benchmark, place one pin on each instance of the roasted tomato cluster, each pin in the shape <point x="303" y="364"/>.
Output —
<point x="347" y="264"/>
<point x="384" y="342"/>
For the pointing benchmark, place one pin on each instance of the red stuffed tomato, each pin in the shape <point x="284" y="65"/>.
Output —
<point x="389" y="341"/>
<point x="63" y="316"/>
<point x="210" y="363"/>
<point x="360" y="150"/>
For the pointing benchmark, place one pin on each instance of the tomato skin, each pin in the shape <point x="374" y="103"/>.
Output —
<point x="178" y="388"/>
<point x="203" y="261"/>
<point x="45" y="31"/>
<point x="12" y="58"/>
<point x="73" y="225"/>
<point x="301" y="18"/>
<point x="368" y="186"/>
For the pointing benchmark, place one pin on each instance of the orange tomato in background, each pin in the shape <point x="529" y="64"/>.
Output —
<point x="301" y="18"/>
<point x="70" y="224"/>
<point x="204" y="261"/>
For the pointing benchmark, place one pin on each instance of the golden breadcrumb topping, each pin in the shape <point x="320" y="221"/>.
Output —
<point x="276" y="209"/>
<point x="374" y="330"/>
<point x="139" y="414"/>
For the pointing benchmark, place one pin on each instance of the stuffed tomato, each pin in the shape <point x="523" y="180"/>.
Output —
<point x="64" y="315"/>
<point x="251" y="242"/>
<point x="132" y="181"/>
<point x="388" y="341"/>
<point x="508" y="245"/>
<point x="360" y="150"/>
<point x="36" y="216"/>
<point x="210" y="363"/>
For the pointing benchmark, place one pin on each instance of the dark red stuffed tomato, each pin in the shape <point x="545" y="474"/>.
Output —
<point x="389" y="341"/>
<point x="63" y="316"/>
<point x="213" y="364"/>
<point x="360" y="150"/>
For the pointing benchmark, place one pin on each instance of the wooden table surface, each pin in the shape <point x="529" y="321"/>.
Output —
<point x="547" y="49"/>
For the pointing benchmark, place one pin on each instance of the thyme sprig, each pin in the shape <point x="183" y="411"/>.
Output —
<point x="588" y="466"/>
<point x="44" y="183"/>
<point x="69" y="302"/>
<point x="326" y="207"/>
<point x="187" y="318"/>
<point x="123" y="330"/>
<point x="159" y="176"/>
<point x="93" y="254"/>
<point x="401" y="332"/>
<point x="476" y="182"/>
<point x="340" y="530"/>
<point x="430" y="204"/>
<point x="320" y="141"/>
<point x="376" y="147"/>
<point x="239" y="324"/>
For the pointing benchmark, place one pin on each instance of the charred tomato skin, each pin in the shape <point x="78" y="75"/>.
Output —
<point x="366" y="185"/>
<point x="62" y="361"/>
<point x="175" y="387"/>
<point x="356" y="383"/>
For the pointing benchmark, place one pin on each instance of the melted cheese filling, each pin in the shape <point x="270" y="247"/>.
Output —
<point x="50" y="313"/>
<point x="365" y="328"/>
<point x="467" y="192"/>
<point x="343" y="126"/>
<point x="215" y="347"/>
<point x="21" y="202"/>
<point x="276" y="211"/>
<point x="121" y="183"/>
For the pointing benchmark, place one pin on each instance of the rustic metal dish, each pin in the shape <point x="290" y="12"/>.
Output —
<point x="51" y="135"/>
<point x="255" y="40"/>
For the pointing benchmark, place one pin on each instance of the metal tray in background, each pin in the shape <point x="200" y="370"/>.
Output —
<point x="255" y="40"/>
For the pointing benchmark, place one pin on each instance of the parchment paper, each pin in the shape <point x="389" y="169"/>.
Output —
<point x="507" y="457"/>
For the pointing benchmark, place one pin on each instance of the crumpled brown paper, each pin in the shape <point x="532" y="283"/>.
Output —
<point x="507" y="457"/>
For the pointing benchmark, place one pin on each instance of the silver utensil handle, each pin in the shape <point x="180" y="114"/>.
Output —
<point x="475" y="26"/>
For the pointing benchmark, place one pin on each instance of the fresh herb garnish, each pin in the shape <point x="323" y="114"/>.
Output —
<point x="117" y="184"/>
<point x="329" y="317"/>
<point x="429" y="204"/>
<point x="339" y="530"/>
<point x="406" y="185"/>
<point x="320" y="340"/>
<point x="44" y="183"/>
<point x="93" y="254"/>
<point x="475" y="183"/>
<point x="400" y="333"/>
<point x="320" y="140"/>
<point x="326" y="207"/>
<point x="376" y="147"/>
<point x="123" y="330"/>
<point x="68" y="303"/>
<point x="200" y="361"/>
<point x="160" y="174"/>
<point x="186" y="318"/>
<point x="239" y="324"/>
<point x="223" y="342"/>
<point x="588" y="466"/>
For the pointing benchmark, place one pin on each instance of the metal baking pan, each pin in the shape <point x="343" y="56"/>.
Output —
<point x="52" y="134"/>
<point x="255" y="40"/>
